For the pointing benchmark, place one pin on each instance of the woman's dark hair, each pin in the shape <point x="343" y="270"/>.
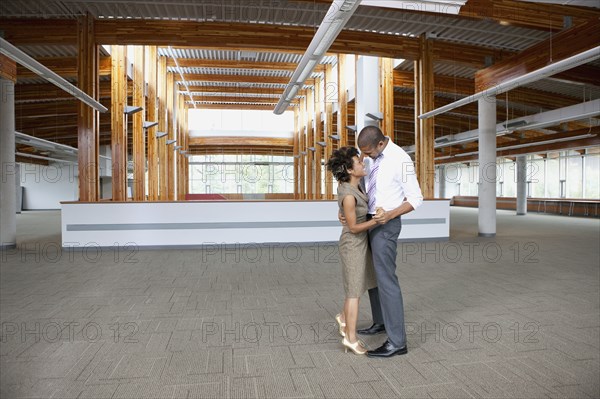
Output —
<point x="340" y="162"/>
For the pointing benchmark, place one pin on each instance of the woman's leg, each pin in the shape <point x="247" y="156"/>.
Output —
<point x="351" y="316"/>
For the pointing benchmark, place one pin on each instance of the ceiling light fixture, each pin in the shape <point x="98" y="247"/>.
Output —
<point x="376" y="116"/>
<point x="338" y="14"/>
<point x="148" y="125"/>
<point x="131" y="109"/>
<point x="28" y="62"/>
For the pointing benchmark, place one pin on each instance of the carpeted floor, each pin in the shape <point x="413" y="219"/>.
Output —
<point x="516" y="316"/>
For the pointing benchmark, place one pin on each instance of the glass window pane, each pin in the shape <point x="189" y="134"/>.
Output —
<point x="535" y="175"/>
<point x="574" y="177"/>
<point x="510" y="179"/>
<point x="552" y="178"/>
<point x="592" y="176"/>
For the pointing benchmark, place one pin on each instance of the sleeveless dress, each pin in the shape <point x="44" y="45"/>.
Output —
<point x="355" y="252"/>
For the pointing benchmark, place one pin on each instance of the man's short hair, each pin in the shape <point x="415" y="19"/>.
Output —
<point x="370" y="136"/>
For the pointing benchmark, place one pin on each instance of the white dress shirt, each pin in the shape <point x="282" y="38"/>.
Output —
<point x="396" y="179"/>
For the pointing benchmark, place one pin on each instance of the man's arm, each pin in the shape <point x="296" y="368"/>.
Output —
<point x="386" y="216"/>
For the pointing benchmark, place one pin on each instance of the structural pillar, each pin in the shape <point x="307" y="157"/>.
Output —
<point x="163" y="183"/>
<point x="442" y="177"/>
<point x="302" y="148"/>
<point x="118" y="122"/>
<point x="310" y="145"/>
<point x="386" y="96"/>
<point x="8" y="194"/>
<point x="367" y="92"/>
<point x="296" y="154"/>
<point x="318" y="139"/>
<point x="342" y="113"/>
<point x="521" y="184"/>
<point x="152" y="116"/>
<point x="328" y="125"/>
<point x="487" y="166"/>
<point x="88" y="140"/>
<point x="139" y="135"/>
<point x="424" y="128"/>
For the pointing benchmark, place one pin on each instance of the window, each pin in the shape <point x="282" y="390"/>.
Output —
<point x="574" y="175"/>
<point x="242" y="174"/>
<point x="592" y="175"/>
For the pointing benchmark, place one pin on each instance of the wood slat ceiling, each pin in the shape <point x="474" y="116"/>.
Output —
<point x="232" y="61"/>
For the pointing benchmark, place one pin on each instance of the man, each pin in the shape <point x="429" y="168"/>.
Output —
<point x="391" y="184"/>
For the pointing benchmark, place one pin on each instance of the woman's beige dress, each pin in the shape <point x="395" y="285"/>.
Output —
<point x="355" y="252"/>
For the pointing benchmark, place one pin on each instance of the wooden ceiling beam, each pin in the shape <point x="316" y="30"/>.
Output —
<point x="558" y="47"/>
<point x="49" y="92"/>
<point x="240" y="89"/>
<point x="241" y="141"/>
<point x="63" y="66"/>
<point x="220" y="35"/>
<point x="210" y="150"/>
<point x="595" y="140"/>
<point x="256" y="107"/>
<point x="235" y="64"/>
<point x="36" y="110"/>
<point x="529" y="15"/>
<point x="586" y="74"/>
<point x="466" y="87"/>
<point x="38" y="31"/>
<point x="234" y="78"/>
<point x="239" y="99"/>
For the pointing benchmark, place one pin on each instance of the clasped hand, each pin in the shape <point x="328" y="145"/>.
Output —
<point x="382" y="217"/>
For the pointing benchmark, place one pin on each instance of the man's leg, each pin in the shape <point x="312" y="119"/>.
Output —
<point x="384" y="245"/>
<point x="375" y="306"/>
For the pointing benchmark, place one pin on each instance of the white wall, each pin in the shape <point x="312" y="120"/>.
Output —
<point x="46" y="186"/>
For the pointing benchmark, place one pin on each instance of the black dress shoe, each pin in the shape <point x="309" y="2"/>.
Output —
<point x="387" y="350"/>
<point x="374" y="329"/>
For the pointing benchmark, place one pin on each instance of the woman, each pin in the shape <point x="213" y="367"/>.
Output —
<point x="357" y="265"/>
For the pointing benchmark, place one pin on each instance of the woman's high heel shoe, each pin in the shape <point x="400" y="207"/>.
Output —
<point x="358" y="347"/>
<point x="341" y="326"/>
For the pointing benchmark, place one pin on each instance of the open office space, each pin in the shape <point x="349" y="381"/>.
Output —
<point x="169" y="229"/>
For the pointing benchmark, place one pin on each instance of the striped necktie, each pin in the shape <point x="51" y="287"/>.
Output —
<point x="373" y="183"/>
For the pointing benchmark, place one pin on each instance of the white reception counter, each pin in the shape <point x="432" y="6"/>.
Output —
<point x="199" y="223"/>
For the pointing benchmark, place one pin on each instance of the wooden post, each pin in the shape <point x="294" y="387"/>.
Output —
<point x="318" y="138"/>
<point x="87" y="118"/>
<point x="424" y="128"/>
<point x="180" y="141"/>
<point x="310" y="143"/>
<point x="118" y="122"/>
<point x="296" y="154"/>
<point x="162" y="126"/>
<point x="330" y="90"/>
<point x="186" y="136"/>
<point x="139" y="135"/>
<point x="302" y="147"/>
<point x="342" y="114"/>
<point x="386" y="96"/>
<point x="152" y="116"/>
<point x="171" y="136"/>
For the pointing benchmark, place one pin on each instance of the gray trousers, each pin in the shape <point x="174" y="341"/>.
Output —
<point x="386" y="300"/>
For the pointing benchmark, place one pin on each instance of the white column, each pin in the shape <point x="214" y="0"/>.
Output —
<point x="487" y="166"/>
<point x="521" y="165"/>
<point x="367" y="91"/>
<point x="442" y="177"/>
<point x="8" y="193"/>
